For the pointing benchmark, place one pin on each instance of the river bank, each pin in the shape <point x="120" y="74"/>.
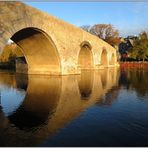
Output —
<point x="134" y="64"/>
<point x="7" y="65"/>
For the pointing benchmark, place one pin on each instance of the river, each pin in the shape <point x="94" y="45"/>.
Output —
<point x="107" y="107"/>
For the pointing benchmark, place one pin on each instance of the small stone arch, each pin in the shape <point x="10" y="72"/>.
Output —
<point x="86" y="43"/>
<point x="104" y="58"/>
<point x="85" y="57"/>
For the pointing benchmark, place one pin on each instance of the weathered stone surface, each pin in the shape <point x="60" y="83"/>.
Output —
<point x="54" y="45"/>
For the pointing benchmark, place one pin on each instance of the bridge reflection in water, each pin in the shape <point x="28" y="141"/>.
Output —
<point x="46" y="104"/>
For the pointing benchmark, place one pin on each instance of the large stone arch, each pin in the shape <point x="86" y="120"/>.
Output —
<point x="85" y="57"/>
<point x="39" y="50"/>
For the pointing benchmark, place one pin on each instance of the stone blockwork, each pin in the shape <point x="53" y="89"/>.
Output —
<point x="50" y="45"/>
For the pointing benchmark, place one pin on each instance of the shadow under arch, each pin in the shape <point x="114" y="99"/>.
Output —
<point x="39" y="50"/>
<point x="85" y="57"/>
<point x="104" y="59"/>
<point x="85" y="84"/>
<point x="112" y="59"/>
<point x="41" y="100"/>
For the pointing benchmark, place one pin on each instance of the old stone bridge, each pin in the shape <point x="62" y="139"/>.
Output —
<point x="50" y="45"/>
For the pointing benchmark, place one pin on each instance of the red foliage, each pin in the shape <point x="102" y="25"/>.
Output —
<point x="134" y="64"/>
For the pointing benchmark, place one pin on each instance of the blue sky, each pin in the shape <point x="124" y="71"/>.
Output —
<point x="129" y="18"/>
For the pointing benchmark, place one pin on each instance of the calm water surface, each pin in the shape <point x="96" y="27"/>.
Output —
<point x="97" y="108"/>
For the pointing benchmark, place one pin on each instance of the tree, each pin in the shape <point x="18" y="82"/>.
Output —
<point x="86" y="27"/>
<point x="104" y="31"/>
<point x="140" y="47"/>
<point x="114" y="41"/>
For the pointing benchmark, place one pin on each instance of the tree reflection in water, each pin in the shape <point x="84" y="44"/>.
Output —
<point x="136" y="79"/>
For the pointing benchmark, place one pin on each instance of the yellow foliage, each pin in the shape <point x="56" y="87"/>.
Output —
<point x="12" y="49"/>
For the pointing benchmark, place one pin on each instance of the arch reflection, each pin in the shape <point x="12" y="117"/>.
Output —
<point x="109" y="79"/>
<point x="103" y="74"/>
<point x="50" y="105"/>
<point x="42" y="96"/>
<point x="86" y="83"/>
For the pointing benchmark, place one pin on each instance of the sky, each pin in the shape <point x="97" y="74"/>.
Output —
<point x="130" y="18"/>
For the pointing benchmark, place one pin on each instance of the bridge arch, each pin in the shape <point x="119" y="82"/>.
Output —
<point x="85" y="57"/>
<point x="104" y="58"/>
<point x="112" y="59"/>
<point x="39" y="51"/>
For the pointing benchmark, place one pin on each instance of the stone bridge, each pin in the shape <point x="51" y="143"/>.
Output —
<point x="50" y="45"/>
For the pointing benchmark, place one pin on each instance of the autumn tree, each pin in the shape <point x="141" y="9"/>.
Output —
<point x="86" y="27"/>
<point x="140" y="47"/>
<point x="104" y="31"/>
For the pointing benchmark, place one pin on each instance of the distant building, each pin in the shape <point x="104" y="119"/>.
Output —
<point x="124" y="47"/>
